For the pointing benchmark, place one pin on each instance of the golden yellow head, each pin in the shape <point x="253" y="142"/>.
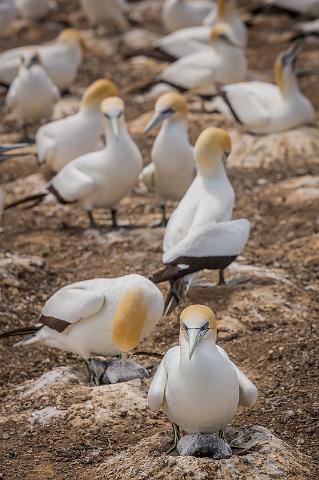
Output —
<point x="197" y="314"/>
<point x="112" y="105"/>
<point x="72" y="35"/>
<point x="212" y="144"/>
<point x="98" y="91"/>
<point x="278" y="72"/>
<point x="219" y="30"/>
<point x="221" y="9"/>
<point x="172" y="100"/>
<point x="129" y="319"/>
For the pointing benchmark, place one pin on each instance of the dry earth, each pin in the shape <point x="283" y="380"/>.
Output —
<point x="53" y="425"/>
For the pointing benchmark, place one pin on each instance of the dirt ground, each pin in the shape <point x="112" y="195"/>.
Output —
<point x="277" y="341"/>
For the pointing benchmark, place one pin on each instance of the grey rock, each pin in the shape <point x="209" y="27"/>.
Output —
<point x="204" y="445"/>
<point x="116" y="373"/>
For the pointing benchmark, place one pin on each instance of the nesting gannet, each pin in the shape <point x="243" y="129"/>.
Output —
<point x="197" y="385"/>
<point x="7" y="14"/>
<point x="103" y="316"/>
<point x="61" y="59"/>
<point x="32" y="93"/>
<point x="102" y="178"/>
<point x="221" y="63"/>
<point x="63" y="140"/>
<point x="265" y="108"/>
<point x="100" y="12"/>
<point x="197" y="39"/>
<point x="201" y="233"/>
<point x="177" y="14"/>
<point x="35" y="9"/>
<point x="172" y="153"/>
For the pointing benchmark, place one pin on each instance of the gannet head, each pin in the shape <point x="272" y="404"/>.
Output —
<point x="171" y="104"/>
<point x="223" y="8"/>
<point x="285" y="63"/>
<point x="98" y="91"/>
<point x="72" y="35"/>
<point x="113" y="110"/>
<point x="222" y="34"/>
<point x="31" y="60"/>
<point x="212" y="147"/>
<point x="197" y="324"/>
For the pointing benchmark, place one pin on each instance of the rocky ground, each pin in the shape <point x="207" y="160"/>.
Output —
<point x="53" y="425"/>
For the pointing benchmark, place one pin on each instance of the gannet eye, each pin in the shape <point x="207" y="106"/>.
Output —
<point x="204" y="327"/>
<point x="168" y="111"/>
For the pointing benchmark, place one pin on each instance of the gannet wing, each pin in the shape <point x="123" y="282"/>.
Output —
<point x="192" y="70"/>
<point x="247" y="390"/>
<point x="71" y="184"/>
<point x="224" y="239"/>
<point x="148" y="176"/>
<point x="156" y="391"/>
<point x="186" y="41"/>
<point x="11" y="98"/>
<point x="70" y="305"/>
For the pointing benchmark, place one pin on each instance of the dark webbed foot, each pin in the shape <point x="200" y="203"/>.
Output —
<point x="204" y="445"/>
<point x="176" y="434"/>
<point x="164" y="220"/>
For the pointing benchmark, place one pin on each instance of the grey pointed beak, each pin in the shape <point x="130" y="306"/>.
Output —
<point x="194" y="338"/>
<point x="292" y="52"/>
<point x="155" y="120"/>
<point x="115" y="127"/>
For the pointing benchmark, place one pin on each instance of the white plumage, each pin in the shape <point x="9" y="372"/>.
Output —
<point x="179" y="14"/>
<point x="35" y="9"/>
<point x="101" y="12"/>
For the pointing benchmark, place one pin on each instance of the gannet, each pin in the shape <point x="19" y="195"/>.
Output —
<point x="102" y="178"/>
<point x="221" y="63"/>
<point x="177" y="14"/>
<point x="265" y="108"/>
<point x="32" y="94"/>
<point x="172" y="154"/>
<point x="201" y="233"/>
<point x="61" y="59"/>
<point x="197" y="385"/>
<point x="197" y="39"/>
<point x="63" y="140"/>
<point x="103" y="316"/>
<point x="35" y="9"/>
<point x="7" y="14"/>
<point x="100" y="12"/>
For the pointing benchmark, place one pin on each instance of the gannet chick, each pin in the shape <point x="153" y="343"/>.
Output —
<point x="197" y="39"/>
<point x="177" y="14"/>
<point x="197" y="385"/>
<point x="103" y="316"/>
<point x="201" y="233"/>
<point x="7" y="14"/>
<point x="224" y="62"/>
<point x="172" y="154"/>
<point x="35" y="9"/>
<point x="32" y="94"/>
<point x="101" y="12"/>
<point x="61" y="59"/>
<point x="63" y="140"/>
<point x="99" y="179"/>
<point x="265" y="108"/>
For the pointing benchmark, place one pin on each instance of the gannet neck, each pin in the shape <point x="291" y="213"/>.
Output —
<point x="207" y="347"/>
<point x="178" y="124"/>
<point x="225" y="10"/>
<point x="286" y="80"/>
<point x="210" y="166"/>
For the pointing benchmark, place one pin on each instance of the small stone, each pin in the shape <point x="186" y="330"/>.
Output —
<point x="290" y="413"/>
<point x="204" y="445"/>
<point x="116" y="373"/>
<point x="5" y="436"/>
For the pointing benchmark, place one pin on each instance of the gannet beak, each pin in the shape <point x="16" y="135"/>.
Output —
<point x="194" y="338"/>
<point x="155" y="120"/>
<point x="115" y="127"/>
<point x="291" y="53"/>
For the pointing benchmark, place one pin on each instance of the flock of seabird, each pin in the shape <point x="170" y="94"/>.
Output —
<point x="90" y="159"/>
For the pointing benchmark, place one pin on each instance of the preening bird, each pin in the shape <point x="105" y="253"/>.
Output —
<point x="201" y="233"/>
<point x="172" y="154"/>
<point x="35" y="9"/>
<point x="103" y="316"/>
<point x="223" y="62"/>
<point x="61" y="59"/>
<point x="177" y="14"/>
<point x="7" y="14"/>
<point x="197" y="385"/>
<point x="266" y="108"/>
<point x="63" y="140"/>
<point x="109" y="12"/>
<point x="32" y="94"/>
<point x="197" y="39"/>
<point x="99" y="179"/>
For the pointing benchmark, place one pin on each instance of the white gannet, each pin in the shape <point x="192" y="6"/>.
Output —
<point x="172" y="154"/>
<point x="35" y="9"/>
<point x="102" y="178"/>
<point x="197" y="385"/>
<point x="100" y="12"/>
<point x="266" y="108"/>
<point x="7" y="14"/>
<point x="61" y="59"/>
<point x="197" y="39"/>
<point x="177" y="14"/>
<point x="103" y="316"/>
<point x="32" y="94"/>
<point x="63" y="140"/>
<point x="221" y="63"/>
<point x="201" y="233"/>
<point x="305" y="7"/>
